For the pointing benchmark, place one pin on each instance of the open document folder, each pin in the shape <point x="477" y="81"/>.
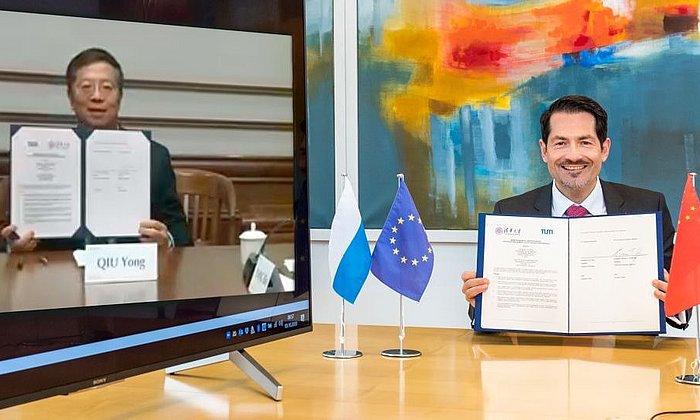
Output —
<point x="588" y="275"/>
<point x="60" y="183"/>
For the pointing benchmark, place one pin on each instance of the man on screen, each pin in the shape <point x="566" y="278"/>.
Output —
<point x="574" y="145"/>
<point x="94" y="81"/>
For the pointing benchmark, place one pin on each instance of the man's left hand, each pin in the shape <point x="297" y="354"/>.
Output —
<point x="660" y="287"/>
<point x="154" y="231"/>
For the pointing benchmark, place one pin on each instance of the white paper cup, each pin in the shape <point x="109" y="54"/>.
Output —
<point x="251" y="242"/>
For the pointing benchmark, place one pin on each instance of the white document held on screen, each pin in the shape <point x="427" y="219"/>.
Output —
<point x="117" y="182"/>
<point x="45" y="181"/>
<point x="582" y="276"/>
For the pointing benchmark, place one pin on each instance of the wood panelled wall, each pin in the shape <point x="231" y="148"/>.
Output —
<point x="264" y="190"/>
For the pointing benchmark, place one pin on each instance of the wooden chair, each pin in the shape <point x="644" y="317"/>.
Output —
<point x="208" y="199"/>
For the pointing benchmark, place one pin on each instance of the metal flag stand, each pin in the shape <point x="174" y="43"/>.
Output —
<point x="694" y="378"/>
<point x="342" y="352"/>
<point x="401" y="353"/>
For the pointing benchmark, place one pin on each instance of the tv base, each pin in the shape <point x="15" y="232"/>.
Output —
<point x="688" y="379"/>
<point x="245" y="363"/>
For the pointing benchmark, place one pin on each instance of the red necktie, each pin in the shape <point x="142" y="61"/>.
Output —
<point x="576" y="211"/>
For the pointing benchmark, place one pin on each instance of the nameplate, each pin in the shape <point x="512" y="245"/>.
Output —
<point x="121" y="262"/>
<point x="261" y="275"/>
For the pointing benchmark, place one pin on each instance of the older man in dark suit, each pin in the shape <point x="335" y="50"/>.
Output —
<point x="94" y="81"/>
<point x="574" y="145"/>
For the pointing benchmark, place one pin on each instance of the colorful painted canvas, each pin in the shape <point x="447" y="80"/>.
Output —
<point x="319" y="91"/>
<point x="451" y="92"/>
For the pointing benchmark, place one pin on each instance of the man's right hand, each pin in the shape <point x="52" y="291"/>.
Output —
<point x="25" y="242"/>
<point x="473" y="286"/>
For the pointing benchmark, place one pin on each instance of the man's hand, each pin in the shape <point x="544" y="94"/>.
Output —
<point x="473" y="286"/>
<point x="660" y="287"/>
<point x="154" y="231"/>
<point x="25" y="242"/>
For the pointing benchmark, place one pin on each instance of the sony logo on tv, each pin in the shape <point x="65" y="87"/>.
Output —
<point x="99" y="381"/>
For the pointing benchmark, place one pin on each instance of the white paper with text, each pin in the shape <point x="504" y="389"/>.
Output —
<point x="613" y="261"/>
<point x="117" y="182"/>
<point x="525" y="261"/>
<point x="45" y="181"/>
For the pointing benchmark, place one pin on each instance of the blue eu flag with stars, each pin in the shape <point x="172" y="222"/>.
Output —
<point x="403" y="258"/>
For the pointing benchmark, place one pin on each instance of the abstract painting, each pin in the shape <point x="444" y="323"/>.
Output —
<point x="450" y="94"/>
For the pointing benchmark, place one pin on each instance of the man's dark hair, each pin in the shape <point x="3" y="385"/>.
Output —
<point x="574" y="104"/>
<point x="91" y="56"/>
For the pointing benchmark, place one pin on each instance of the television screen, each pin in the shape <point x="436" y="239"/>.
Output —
<point x="221" y="85"/>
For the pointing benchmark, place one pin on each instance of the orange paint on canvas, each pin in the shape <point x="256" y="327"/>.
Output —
<point x="577" y="25"/>
<point x="469" y="54"/>
<point x="444" y="95"/>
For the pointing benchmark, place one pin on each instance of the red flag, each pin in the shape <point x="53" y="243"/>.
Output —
<point x="684" y="280"/>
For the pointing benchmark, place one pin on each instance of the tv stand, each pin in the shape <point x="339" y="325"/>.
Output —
<point x="246" y="363"/>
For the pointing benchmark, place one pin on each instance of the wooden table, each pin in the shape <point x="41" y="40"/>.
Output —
<point x="461" y="375"/>
<point x="51" y="280"/>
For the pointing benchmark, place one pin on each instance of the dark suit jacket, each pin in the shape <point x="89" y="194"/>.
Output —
<point x="165" y="206"/>
<point x="619" y="199"/>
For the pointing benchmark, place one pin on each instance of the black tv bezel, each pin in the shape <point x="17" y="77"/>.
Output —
<point x="288" y="20"/>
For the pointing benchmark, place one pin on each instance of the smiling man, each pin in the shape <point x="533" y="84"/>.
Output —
<point x="574" y="145"/>
<point x="94" y="83"/>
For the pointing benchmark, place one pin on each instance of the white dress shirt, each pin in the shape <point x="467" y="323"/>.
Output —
<point x="594" y="203"/>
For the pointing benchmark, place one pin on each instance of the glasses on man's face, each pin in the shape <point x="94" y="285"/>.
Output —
<point x="88" y="88"/>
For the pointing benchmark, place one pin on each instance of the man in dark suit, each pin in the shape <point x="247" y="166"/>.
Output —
<point x="574" y="145"/>
<point x="95" y="81"/>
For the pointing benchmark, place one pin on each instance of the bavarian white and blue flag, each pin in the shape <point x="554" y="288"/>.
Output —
<point x="403" y="258"/>
<point x="348" y="250"/>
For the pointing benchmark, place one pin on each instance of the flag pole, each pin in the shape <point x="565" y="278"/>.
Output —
<point x="694" y="378"/>
<point x="696" y="363"/>
<point x="341" y="337"/>
<point x="401" y="353"/>
<point x="402" y="330"/>
<point x="342" y="353"/>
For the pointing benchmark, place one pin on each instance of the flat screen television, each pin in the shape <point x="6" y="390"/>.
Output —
<point x="222" y="77"/>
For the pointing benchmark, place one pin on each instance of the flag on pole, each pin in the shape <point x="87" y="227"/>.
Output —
<point x="348" y="250"/>
<point x="684" y="279"/>
<point x="403" y="258"/>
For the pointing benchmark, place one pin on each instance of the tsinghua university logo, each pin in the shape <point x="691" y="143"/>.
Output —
<point x="507" y="231"/>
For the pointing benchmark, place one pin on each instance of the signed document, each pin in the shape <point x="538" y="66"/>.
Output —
<point x="45" y="181"/>
<point x="588" y="275"/>
<point x="117" y="182"/>
<point x="61" y="183"/>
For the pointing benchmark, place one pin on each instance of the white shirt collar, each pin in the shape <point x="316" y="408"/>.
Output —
<point x="594" y="203"/>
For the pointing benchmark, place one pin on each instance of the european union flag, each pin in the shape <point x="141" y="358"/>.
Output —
<point x="403" y="258"/>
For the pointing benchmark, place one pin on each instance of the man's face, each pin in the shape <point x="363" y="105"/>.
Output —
<point x="574" y="154"/>
<point x="94" y="96"/>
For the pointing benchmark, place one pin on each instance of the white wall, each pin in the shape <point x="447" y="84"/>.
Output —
<point x="43" y="44"/>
